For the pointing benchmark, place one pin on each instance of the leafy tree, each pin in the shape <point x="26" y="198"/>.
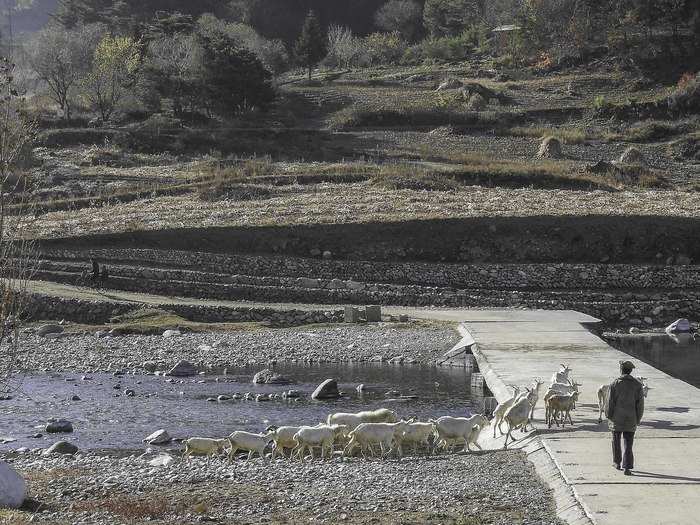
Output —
<point x="272" y="53"/>
<point x="234" y="80"/>
<point x="450" y="17"/>
<point x="402" y="16"/>
<point x="114" y="69"/>
<point x="311" y="45"/>
<point x="174" y="67"/>
<point x="61" y="58"/>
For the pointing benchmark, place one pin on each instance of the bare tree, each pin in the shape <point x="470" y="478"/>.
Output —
<point x="16" y="251"/>
<point x="61" y="58"/>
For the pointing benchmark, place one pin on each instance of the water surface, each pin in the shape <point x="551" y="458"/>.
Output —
<point x="677" y="355"/>
<point x="106" y="418"/>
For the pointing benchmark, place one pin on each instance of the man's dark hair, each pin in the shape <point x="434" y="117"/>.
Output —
<point x="626" y="368"/>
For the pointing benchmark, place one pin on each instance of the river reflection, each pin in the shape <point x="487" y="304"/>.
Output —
<point x="677" y="354"/>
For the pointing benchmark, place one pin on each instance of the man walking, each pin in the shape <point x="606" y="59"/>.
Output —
<point x="624" y="411"/>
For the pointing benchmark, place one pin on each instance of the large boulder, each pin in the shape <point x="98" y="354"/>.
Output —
<point x="449" y="83"/>
<point x="56" y="426"/>
<point x="326" y="390"/>
<point x="632" y="155"/>
<point x="183" y="369"/>
<point x="159" y="437"/>
<point x="550" y="148"/>
<point x="678" y="326"/>
<point x="13" y="489"/>
<point x="268" y="377"/>
<point x="477" y="103"/>
<point x="62" y="447"/>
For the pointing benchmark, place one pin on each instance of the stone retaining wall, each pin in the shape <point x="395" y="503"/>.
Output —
<point x="331" y="274"/>
<point x="43" y="307"/>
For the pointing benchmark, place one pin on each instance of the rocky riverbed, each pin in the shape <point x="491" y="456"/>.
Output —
<point x="334" y="344"/>
<point x="494" y="488"/>
<point x="118" y="485"/>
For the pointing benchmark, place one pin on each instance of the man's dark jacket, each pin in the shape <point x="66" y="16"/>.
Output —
<point x="625" y="404"/>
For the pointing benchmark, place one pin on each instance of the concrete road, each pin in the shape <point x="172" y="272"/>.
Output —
<point x="516" y="346"/>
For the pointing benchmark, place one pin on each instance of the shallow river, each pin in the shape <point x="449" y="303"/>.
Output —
<point x="106" y="418"/>
<point x="678" y="356"/>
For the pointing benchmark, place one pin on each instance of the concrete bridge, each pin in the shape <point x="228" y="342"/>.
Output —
<point x="515" y="346"/>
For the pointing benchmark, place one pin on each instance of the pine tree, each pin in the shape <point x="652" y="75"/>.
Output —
<point x="311" y="45"/>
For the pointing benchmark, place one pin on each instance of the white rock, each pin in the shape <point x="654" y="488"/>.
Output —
<point x="680" y="325"/>
<point x="13" y="488"/>
<point x="159" y="437"/>
<point x="171" y="333"/>
<point x="163" y="460"/>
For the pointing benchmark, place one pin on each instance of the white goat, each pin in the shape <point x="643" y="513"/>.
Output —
<point x="517" y="416"/>
<point x="502" y="408"/>
<point x="562" y="376"/>
<point x="319" y="436"/>
<point x="560" y="389"/>
<point x="204" y="447"/>
<point x="381" y="415"/>
<point x="383" y="434"/>
<point x="248" y="441"/>
<point x="282" y="437"/>
<point x="534" y="396"/>
<point x="454" y="429"/>
<point x="604" y="395"/>
<point x="416" y="433"/>
<point x="561" y="404"/>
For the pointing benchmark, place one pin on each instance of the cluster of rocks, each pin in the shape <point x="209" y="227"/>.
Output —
<point x="218" y="351"/>
<point x="339" y="490"/>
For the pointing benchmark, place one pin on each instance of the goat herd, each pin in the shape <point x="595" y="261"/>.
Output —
<point x="382" y="428"/>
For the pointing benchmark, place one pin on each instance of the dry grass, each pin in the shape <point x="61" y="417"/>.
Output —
<point x="14" y="517"/>
<point x="130" y="507"/>
<point x="153" y="321"/>
<point x="565" y="135"/>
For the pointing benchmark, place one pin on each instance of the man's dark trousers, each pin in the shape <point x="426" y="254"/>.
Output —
<point x="628" y="462"/>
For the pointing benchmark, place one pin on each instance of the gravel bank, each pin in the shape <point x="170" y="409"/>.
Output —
<point x="494" y="488"/>
<point x="335" y="344"/>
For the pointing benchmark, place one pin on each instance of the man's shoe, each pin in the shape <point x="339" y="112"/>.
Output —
<point x="617" y="466"/>
<point x="628" y="472"/>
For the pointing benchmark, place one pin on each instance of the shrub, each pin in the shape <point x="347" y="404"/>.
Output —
<point x="448" y="48"/>
<point x="477" y="103"/>
<point x="234" y="79"/>
<point x="344" y="48"/>
<point x="384" y="48"/>
<point x="685" y="98"/>
<point x="599" y="103"/>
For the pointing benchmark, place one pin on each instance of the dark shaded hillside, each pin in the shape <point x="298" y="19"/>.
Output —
<point x="272" y="18"/>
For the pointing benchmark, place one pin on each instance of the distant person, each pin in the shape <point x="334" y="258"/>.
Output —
<point x="104" y="274"/>
<point x="95" y="269"/>
<point x="624" y="412"/>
